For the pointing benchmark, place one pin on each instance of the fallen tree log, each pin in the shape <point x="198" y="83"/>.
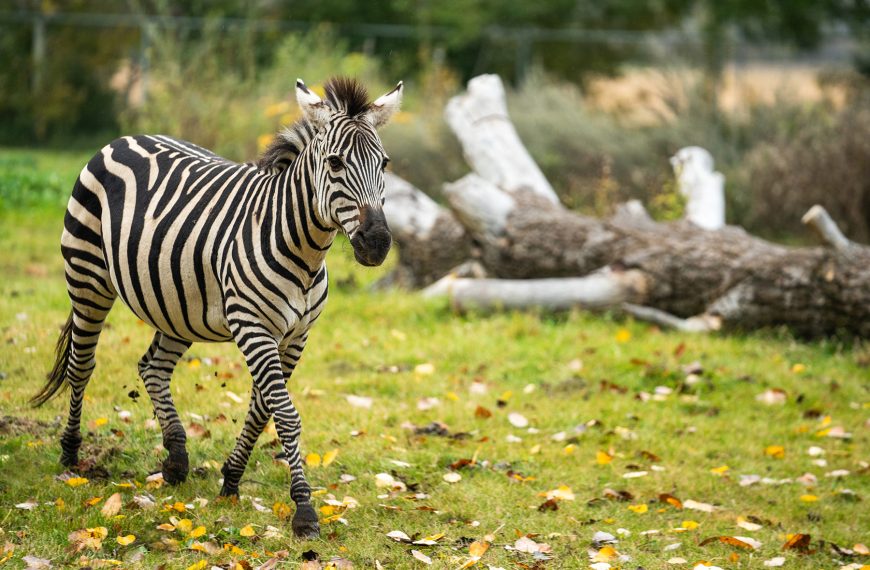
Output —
<point x="734" y="278"/>
<point x="431" y="242"/>
<point x="694" y="275"/>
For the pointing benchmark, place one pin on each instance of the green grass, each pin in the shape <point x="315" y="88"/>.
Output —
<point x="369" y="344"/>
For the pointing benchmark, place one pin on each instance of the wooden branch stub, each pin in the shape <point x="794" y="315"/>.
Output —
<point x="818" y="219"/>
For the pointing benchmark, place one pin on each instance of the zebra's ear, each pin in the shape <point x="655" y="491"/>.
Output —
<point x="384" y="107"/>
<point x="313" y="107"/>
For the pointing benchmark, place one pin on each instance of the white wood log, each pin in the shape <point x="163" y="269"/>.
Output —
<point x="597" y="291"/>
<point x="702" y="186"/>
<point x="492" y="147"/>
<point x="479" y="205"/>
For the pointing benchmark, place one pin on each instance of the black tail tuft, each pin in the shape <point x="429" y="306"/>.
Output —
<point x="56" y="379"/>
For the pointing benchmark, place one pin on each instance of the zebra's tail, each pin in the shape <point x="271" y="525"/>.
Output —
<point x="56" y="379"/>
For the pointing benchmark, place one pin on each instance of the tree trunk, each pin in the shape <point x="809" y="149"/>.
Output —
<point x="745" y="281"/>
<point x="430" y="241"/>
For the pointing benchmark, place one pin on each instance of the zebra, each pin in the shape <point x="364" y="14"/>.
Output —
<point x="207" y="250"/>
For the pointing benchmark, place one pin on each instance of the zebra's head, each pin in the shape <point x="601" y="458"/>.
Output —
<point x="349" y="162"/>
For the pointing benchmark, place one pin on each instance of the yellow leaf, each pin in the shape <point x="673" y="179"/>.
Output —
<point x="125" y="540"/>
<point x="99" y="532"/>
<point x="194" y="363"/>
<point x="166" y="526"/>
<point x="247" y="530"/>
<point x="506" y="396"/>
<point x="76" y="481"/>
<point x="569" y="449"/>
<point x="281" y="510"/>
<point x="689" y="525"/>
<point x="776" y="451"/>
<point x="93" y="501"/>
<point x="535" y="449"/>
<point x="327" y="510"/>
<point x="198" y="565"/>
<point x="478" y="548"/>
<point x="424" y="369"/>
<point x="809" y="498"/>
<point x="60" y="504"/>
<point x="233" y="549"/>
<point x="603" y="458"/>
<point x="197" y="532"/>
<point x="720" y="470"/>
<point x="452" y="396"/>
<point x="606" y="553"/>
<point x="312" y="460"/>
<point x="329" y="457"/>
<point x="639" y="509"/>
<point x="101" y="421"/>
<point x="184" y="525"/>
<point x="798" y="368"/>
<point x="623" y="335"/>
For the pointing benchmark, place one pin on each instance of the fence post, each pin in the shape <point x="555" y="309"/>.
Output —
<point x="38" y="49"/>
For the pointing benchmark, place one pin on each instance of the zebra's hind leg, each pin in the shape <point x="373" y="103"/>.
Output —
<point x="85" y="326"/>
<point x="255" y="423"/>
<point x="155" y="369"/>
<point x="262" y="355"/>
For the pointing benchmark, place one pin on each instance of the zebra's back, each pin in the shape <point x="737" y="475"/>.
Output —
<point x="158" y="215"/>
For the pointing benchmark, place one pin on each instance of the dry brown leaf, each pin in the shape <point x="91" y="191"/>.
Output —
<point x="112" y="505"/>
<point x="799" y="542"/>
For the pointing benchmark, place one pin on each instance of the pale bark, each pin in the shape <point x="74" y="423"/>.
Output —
<point x="492" y="147"/>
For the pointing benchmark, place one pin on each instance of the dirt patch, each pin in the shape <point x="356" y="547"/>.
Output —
<point x="12" y="425"/>
<point x="93" y="459"/>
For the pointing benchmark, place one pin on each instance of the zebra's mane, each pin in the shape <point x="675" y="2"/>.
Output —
<point x="343" y="94"/>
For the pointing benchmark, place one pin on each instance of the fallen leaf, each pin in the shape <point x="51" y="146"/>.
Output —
<point x="197" y="532"/>
<point x="399" y="536"/>
<point x="359" y="401"/>
<point x="799" y="542"/>
<point x="424" y="369"/>
<point x="282" y="510"/>
<point x="76" y="481"/>
<point x="28" y="506"/>
<point x="452" y="477"/>
<point x="603" y="458"/>
<point x="639" y="509"/>
<point x="329" y="457"/>
<point x="809" y="498"/>
<point x="518" y="420"/>
<point x="125" y="540"/>
<point x="623" y="335"/>
<point x="696" y="506"/>
<point x="482" y="412"/>
<point x="478" y="548"/>
<point x="775" y="451"/>
<point x="248" y="531"/>
<point x="671" y="500"/>
<point x="421" y="557"/>
<point x="112" y="506"/>
<point x="34" y="563"/>
<point x="775" y="562"/>
<point x="312" y="460"/>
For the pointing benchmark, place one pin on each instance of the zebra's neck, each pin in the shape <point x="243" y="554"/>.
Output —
<point x="290" y="221"/>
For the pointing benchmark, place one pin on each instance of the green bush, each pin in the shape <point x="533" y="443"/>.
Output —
<point x="24" y="185"/>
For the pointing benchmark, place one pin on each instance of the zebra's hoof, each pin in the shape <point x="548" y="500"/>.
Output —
<point x="305" y="523"/>
<point x="175" y="468"/>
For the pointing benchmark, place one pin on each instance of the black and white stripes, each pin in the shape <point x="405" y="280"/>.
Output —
<point x="204" y="249"/>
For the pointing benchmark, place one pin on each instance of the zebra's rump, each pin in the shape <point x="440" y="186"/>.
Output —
<point x="159" y="216"/>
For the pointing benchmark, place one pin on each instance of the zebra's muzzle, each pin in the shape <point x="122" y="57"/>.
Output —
<point x="371" y="242"/>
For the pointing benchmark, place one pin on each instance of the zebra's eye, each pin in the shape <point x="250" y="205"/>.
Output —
<point x="335" y="163"/>
<point x="385" y="163"/>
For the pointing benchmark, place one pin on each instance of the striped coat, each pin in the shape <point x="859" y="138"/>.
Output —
<point x="207" y="250"/>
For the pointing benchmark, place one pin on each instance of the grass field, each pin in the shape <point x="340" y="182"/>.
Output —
<point x="614" y="422"/>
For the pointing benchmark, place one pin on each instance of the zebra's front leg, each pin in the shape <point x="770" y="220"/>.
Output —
<point x="264" y="362"/>
<point x="156" y="368"/>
